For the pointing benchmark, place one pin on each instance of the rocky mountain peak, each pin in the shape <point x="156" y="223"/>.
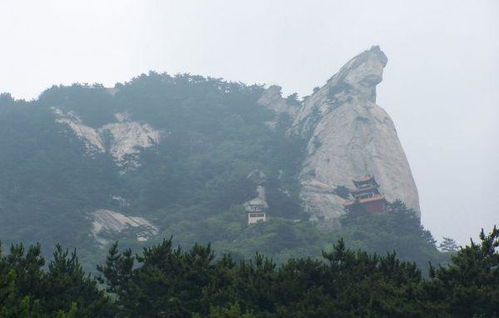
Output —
<point x="361" y="74"/>
<point x="347" y="136"/>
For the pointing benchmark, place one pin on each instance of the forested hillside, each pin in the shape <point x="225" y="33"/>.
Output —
<point x="170" y="155"/>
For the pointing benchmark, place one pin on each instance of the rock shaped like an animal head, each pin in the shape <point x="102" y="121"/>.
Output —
<point x="364" y="72"/>
<point x="366" y="69"/>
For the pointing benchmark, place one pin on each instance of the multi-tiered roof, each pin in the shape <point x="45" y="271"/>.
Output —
<point x="366" y="196"/>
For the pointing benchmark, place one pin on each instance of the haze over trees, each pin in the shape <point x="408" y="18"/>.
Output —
<point x="70" y="176"/>
<point x="190" y="185"/>
<point x="168" y="281"/>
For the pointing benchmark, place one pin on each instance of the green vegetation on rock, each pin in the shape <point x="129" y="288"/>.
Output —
<point x="192" y="184"/>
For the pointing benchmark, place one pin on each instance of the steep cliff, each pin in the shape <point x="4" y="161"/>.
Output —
<point x="159" y="155"/>
<point x="348" y="135"/>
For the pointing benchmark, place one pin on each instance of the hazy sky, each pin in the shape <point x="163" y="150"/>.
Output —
<point x="441" y="84"/>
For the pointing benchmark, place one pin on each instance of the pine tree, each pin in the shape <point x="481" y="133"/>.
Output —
<point x="448" y="245"/>
<point x="467" y="287"/>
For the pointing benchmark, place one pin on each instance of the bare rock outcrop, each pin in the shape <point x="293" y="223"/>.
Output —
<point x="260" y="201"/>
<point x="122" y="139"/>
<point x="273" y="100"/>
<point x="106" y="224"/>
<point x="348" y="135"/>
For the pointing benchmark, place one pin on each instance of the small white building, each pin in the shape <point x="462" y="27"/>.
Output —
<point x="256" y="213"/>
<point x="255" y="217"/>
<point x="257" y="207"/>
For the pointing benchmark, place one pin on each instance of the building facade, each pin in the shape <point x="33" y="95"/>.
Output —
<point x="366" y="196"/>
<point x="256" y="213"/>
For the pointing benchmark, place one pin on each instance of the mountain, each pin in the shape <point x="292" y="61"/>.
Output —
<point x="346" y="135"/>
<point x="160" y="155"/>
<point x="349" y="135"/>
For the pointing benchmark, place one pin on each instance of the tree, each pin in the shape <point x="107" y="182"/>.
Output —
<point x="233" y="311"/>
<point x="467" y="287"/>
<point x="448" y="245"/>
<point x="27" y="290"/>
<point x="162" y="280"/>
<point x="293" y="100"/>
<point x="398" y="229"/>
<point x="66" y="287"/>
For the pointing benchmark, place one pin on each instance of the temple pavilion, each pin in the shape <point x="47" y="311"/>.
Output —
<point x="366" y="196"/>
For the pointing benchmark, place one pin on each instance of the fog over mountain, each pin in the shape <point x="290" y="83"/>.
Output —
<point x="440" y="85"/>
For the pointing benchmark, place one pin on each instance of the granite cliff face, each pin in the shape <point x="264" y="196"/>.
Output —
<point x="347" y="136"/>
<point x="185" y="155"/>
<point x="122" y="139"/>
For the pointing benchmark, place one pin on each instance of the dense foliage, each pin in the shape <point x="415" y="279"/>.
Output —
<point x="398" y="230"/>
<point x="164" y="281"/>
<point x="213" y="134"/>
<point x="191" y="185"/>
<point x="27" y="289"/>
